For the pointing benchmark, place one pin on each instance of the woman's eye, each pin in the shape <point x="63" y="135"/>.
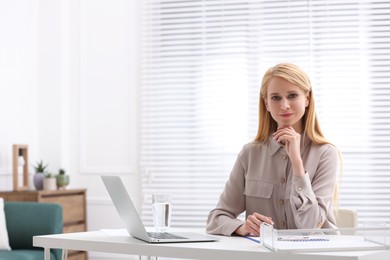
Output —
<point x="275" y="98"/>
<point x="293" y="95"/>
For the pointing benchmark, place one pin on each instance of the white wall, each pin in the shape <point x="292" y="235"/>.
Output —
<point x="68" y="89"/>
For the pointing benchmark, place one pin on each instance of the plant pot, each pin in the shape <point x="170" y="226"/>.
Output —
<point x="38" y="180"/>
<point x="50" y="183"/>
<point x="62" y="181"/>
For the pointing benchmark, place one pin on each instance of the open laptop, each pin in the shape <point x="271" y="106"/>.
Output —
<point x="134" y="225"/>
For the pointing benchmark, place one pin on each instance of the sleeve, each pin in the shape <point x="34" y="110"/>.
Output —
<point x="310" y="201"/>
<point x="223" y="219"/>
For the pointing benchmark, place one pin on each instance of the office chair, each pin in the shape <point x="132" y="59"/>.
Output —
<point x="346" y="218"/>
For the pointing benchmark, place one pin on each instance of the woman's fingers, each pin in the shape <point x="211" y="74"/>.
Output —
<point x="284" y="134"/>
<point x="263" y="218"/>
<point x="254" y="221"/>
<point x="253" y="225"/>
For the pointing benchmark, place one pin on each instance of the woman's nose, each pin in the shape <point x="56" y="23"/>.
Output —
<point x="285" y="104"/>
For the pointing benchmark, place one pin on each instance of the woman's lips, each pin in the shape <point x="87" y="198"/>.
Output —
<point x="286" y="115"/>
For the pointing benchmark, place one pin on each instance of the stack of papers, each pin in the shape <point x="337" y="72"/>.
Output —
<point x="310" y="240"/>
<point x="317" y="243"/>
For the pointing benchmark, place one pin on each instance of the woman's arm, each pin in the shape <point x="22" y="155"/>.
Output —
<point x="311" y="200"/>
<point x="223" y="219"/>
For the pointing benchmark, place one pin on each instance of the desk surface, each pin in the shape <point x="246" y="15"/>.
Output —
<point x="229" y="248"/>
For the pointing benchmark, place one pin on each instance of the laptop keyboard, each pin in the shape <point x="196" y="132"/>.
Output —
<point x="164" y="235"/>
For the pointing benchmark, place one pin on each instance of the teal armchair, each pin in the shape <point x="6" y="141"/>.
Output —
<point x="25" y="220"/>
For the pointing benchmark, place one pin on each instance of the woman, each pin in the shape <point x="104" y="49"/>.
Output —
<point x="287" y="176"/>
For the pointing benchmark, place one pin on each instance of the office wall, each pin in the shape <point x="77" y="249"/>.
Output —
<point x="68" y="89"/>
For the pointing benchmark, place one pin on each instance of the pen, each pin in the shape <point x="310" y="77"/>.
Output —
<point x="253" y="239"/>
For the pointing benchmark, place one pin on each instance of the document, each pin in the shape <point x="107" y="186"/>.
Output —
<point x="314" y="243"/>
<point x="310" y="240"/>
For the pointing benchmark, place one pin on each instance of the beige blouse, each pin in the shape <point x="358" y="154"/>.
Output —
<point x="262" y="181"/>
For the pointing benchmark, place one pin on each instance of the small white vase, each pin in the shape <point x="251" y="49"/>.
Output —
<point x="49" y="183"/>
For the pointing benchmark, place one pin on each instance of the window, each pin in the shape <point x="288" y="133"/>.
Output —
<point x="201" y="67"/>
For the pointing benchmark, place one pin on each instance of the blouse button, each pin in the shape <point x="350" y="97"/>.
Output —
<point x="283" y="224"/>
<point x="299" y="189"/>
<point x="282" y="180"/>
<point x="284" y="157"/>
<point x="281" y="202"/>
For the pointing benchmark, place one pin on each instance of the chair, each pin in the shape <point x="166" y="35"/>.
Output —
<point x="346" y="218"/>
<point x="25" y="220"/>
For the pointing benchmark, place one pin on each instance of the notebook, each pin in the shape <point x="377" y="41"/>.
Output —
<point x="134" y="225"/>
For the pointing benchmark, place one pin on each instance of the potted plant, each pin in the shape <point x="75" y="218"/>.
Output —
<point x="40" y="171"/>
<point x="49" y="182"/>
<point x="62" y="179"/>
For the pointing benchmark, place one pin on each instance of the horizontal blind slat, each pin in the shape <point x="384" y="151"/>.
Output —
<point x="201" y="66"/>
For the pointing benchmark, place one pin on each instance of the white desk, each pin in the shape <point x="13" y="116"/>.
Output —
<point x="227" y="248"/>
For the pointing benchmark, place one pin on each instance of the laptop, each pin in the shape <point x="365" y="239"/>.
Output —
<point x="134" y="225"/>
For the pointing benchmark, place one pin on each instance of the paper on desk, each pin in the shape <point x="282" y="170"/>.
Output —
<point x="115" y="232"/>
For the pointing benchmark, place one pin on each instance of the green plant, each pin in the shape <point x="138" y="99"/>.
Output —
<point x="62" y="179"/>
<point x="40" y="167"/>
<point x="61" y="171"/>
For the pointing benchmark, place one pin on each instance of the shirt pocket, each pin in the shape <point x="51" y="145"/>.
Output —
<point x="258" y="189"/>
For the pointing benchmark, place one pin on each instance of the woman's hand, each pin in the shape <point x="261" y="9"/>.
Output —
<point x="252" y="225"/>
<point x="291" y="140"/>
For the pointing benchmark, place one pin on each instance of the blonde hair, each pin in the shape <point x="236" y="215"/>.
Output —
<point x="298" y="77"/>
<point x="267" y="125"/>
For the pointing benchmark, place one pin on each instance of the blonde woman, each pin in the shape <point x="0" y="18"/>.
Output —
<point x="287" y="175"/>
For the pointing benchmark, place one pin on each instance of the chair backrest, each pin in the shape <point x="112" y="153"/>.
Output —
<point x="27" y="219"/>
<point x="346" y="218"/>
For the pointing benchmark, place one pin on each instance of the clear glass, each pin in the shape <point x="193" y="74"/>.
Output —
<point x="162" y="210"/>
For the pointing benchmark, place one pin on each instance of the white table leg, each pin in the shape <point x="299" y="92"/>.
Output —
<point x="64" y="254"/>
<point x="47" y="253"/>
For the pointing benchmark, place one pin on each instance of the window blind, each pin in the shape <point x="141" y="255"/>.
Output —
<point x="201" y="68"/>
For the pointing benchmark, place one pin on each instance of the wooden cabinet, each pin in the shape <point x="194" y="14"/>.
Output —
<point x="73" y="204"/>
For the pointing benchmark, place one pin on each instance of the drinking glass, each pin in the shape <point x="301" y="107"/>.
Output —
<point x="162" y="209"/>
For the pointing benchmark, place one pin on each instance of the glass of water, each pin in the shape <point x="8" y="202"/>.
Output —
<point x="162" y="209"/>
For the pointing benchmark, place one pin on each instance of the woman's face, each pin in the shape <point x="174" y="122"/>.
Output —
<point x="286" y="102"/>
